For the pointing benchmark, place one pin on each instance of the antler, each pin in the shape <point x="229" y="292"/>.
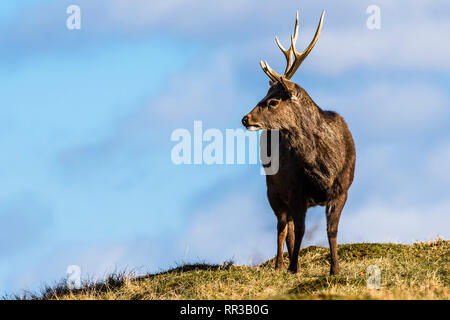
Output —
<point x="292" y="66"/>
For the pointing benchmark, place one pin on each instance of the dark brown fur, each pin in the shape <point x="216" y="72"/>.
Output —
<point x="317" y="163"/>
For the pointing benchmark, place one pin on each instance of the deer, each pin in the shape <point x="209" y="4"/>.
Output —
<point x="316" y="156"/>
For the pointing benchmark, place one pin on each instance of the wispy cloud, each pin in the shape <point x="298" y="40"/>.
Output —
<point x="391" y="108"/>
<point x="24" y="220"/>
<point x="383" y="221"/>
<point x="237" y="227"/>
<point x="438" y="163"/>
<point x="411" y="36"/>
<point x="207" y="90"/>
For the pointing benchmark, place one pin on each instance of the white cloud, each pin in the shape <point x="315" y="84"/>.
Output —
<point x="404" y="44"/>
<point x="205" y="91"/>
<point x="236" y="227"/>
<point x="411" y="36"/>
<point x="175" y="15"/>
<point x="391" y="109"/>
<point x="380" y="221"/>
<point x="24" y="221"/>
<point x="438" y="163"/>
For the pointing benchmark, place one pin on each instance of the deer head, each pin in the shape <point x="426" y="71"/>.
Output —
<point x="280" y="105"/>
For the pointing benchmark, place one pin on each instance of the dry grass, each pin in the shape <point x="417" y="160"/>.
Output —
<point x="418" y="271"/>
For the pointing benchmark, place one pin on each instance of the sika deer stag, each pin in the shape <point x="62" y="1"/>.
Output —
<point x="316" y="156"/>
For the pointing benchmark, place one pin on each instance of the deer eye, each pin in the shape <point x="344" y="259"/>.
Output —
<point x="273" y="103"/>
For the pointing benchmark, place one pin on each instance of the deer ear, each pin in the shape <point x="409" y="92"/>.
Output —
<point x="288" y="85"/>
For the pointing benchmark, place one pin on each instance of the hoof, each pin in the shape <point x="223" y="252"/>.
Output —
<point x="334" y="271"/>
<point x="293" y="270"/>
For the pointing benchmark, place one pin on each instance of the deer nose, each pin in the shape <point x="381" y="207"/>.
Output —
<point x="245" y="121"/>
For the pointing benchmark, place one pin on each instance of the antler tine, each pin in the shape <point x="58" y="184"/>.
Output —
<point x="300" y="57"/>
<point x="294" y="39"/>
<point x="289" y="52"/>
<point x="269" y="71"/>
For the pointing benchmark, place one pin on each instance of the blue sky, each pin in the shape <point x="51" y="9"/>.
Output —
<point x="86" y="117"/>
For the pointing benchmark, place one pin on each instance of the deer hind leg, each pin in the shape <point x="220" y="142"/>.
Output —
<point x="282" y="232"/>
<point x="290" y="237"/>
<point x="333" y="213"/>
<point x="299" y="231"/>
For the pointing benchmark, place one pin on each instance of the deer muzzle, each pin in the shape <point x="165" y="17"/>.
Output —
<point x="249" y="124"/>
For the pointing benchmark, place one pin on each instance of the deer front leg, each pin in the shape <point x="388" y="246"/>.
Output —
<point x="333" y="212"/>
<point x="282" y="231"/>
<point x="299" y="231"/>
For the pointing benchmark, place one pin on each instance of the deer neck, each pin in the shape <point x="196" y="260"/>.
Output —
<point x="299" y="137"/>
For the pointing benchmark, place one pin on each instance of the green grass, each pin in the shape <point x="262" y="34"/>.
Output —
<point x="417" y="271"/>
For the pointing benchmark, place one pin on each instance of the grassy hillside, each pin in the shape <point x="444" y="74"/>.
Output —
<point x="418" y="271"/>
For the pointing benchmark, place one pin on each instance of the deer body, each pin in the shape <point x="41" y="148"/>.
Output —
<point x="316" y="157"/>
